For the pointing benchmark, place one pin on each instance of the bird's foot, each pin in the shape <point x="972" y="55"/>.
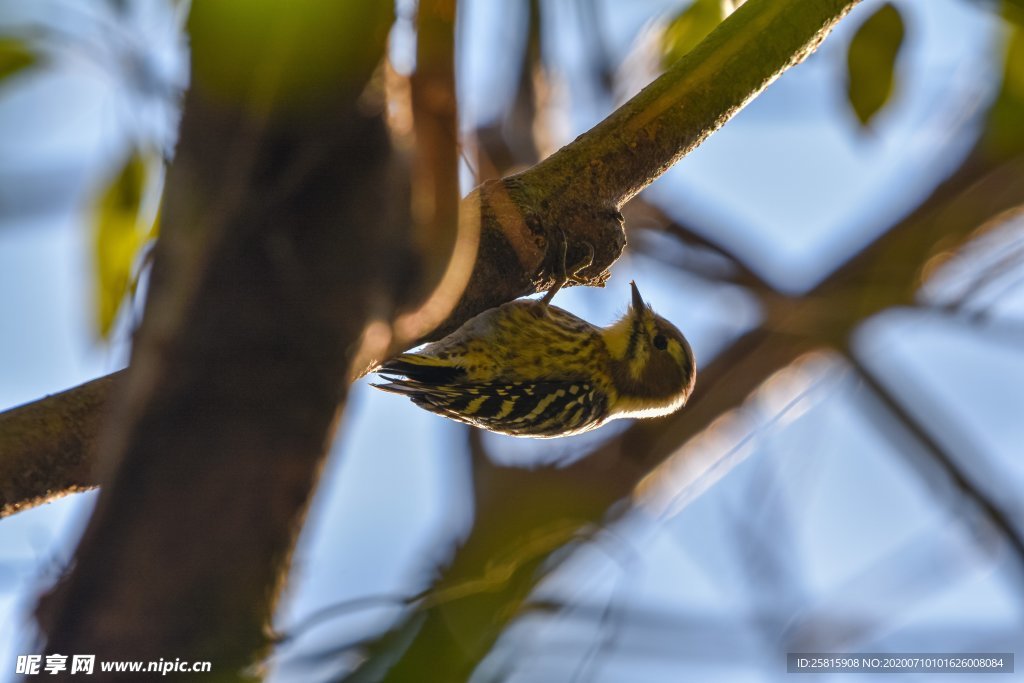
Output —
<point x="564" y="274"/>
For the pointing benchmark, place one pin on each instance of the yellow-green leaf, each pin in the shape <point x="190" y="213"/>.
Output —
<point x="871" y="62"/>
<point x="124" y="221"/>
<point x="14" y="57"/>
<point x="1013" y="11"/>
<point x="286" y="56"/>
<point x="1004" y="134"/>
<point x="685" y="31"/>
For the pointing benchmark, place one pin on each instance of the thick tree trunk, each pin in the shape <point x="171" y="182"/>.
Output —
<point x="280" y="220"/>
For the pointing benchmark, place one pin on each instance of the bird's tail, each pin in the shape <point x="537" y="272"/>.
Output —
<point x="424" y="369"/>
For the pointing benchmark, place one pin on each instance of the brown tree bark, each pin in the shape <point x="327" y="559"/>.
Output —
<point x="281" y="213"/>
<point x="46" y="445"/>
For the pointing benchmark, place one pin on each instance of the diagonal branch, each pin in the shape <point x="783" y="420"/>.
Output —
<point x="46" y="445"/>
<point x="579" y="190"/>
<point x="949" y="464"/>
<point x="669" y="118"/>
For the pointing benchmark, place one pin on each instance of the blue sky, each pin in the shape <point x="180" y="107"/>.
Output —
<point x="835" y="488"/>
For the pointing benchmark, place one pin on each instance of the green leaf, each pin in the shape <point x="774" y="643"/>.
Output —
<point x="14" y="57"/>
<point x="871" y="62"/>
<point x="690" y="26"/>
<point x="286" y="56"/>
<point x="1004" y="134"/>
<point x="1010" y="10"/>
<point x="125" y="219"/>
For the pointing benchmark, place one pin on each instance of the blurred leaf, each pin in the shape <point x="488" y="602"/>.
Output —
<point x="1013" y="10"/>
<point x="690" y="26"/>
<point x="286" y="56"/>
<point x="123" y="224"/>
<point x="1004" y="134"/>
<point x="14" y="57"/>
<point x="871" y="62"/>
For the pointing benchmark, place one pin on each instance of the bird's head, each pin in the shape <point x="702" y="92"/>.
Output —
<point x="652" y="363"/>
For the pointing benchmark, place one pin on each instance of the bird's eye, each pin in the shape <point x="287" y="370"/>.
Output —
<point x="660" y="342"/>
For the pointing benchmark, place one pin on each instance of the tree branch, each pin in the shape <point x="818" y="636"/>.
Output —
<point x="275" y="247"/>
<point x="46" y="445"/>
<point x="670" y="117"/>
<point x="947" y="461"/>
<point x="578" y="191"/>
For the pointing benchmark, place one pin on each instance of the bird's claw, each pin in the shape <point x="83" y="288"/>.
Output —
<point x="562" y="272"/>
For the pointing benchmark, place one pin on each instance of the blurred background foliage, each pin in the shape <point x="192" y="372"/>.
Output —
<point x="871" y="61"/>
<point x="846" y="255"/>
<point x="123" y="226"/>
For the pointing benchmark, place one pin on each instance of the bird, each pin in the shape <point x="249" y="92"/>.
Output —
<point x="531" y="369"/>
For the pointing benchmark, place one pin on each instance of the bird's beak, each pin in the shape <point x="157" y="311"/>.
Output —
<point x="638" y="301"/>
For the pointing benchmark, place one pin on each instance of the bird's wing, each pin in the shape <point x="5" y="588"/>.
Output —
<point x="537" y="409"/>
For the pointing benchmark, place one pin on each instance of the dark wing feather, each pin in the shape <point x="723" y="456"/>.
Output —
<point x="419" y="369"/>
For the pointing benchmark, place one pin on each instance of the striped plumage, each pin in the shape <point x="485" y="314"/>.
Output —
<point x="531" y="369"/>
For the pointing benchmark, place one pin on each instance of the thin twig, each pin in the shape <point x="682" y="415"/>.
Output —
<point x="944" y="459"/>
